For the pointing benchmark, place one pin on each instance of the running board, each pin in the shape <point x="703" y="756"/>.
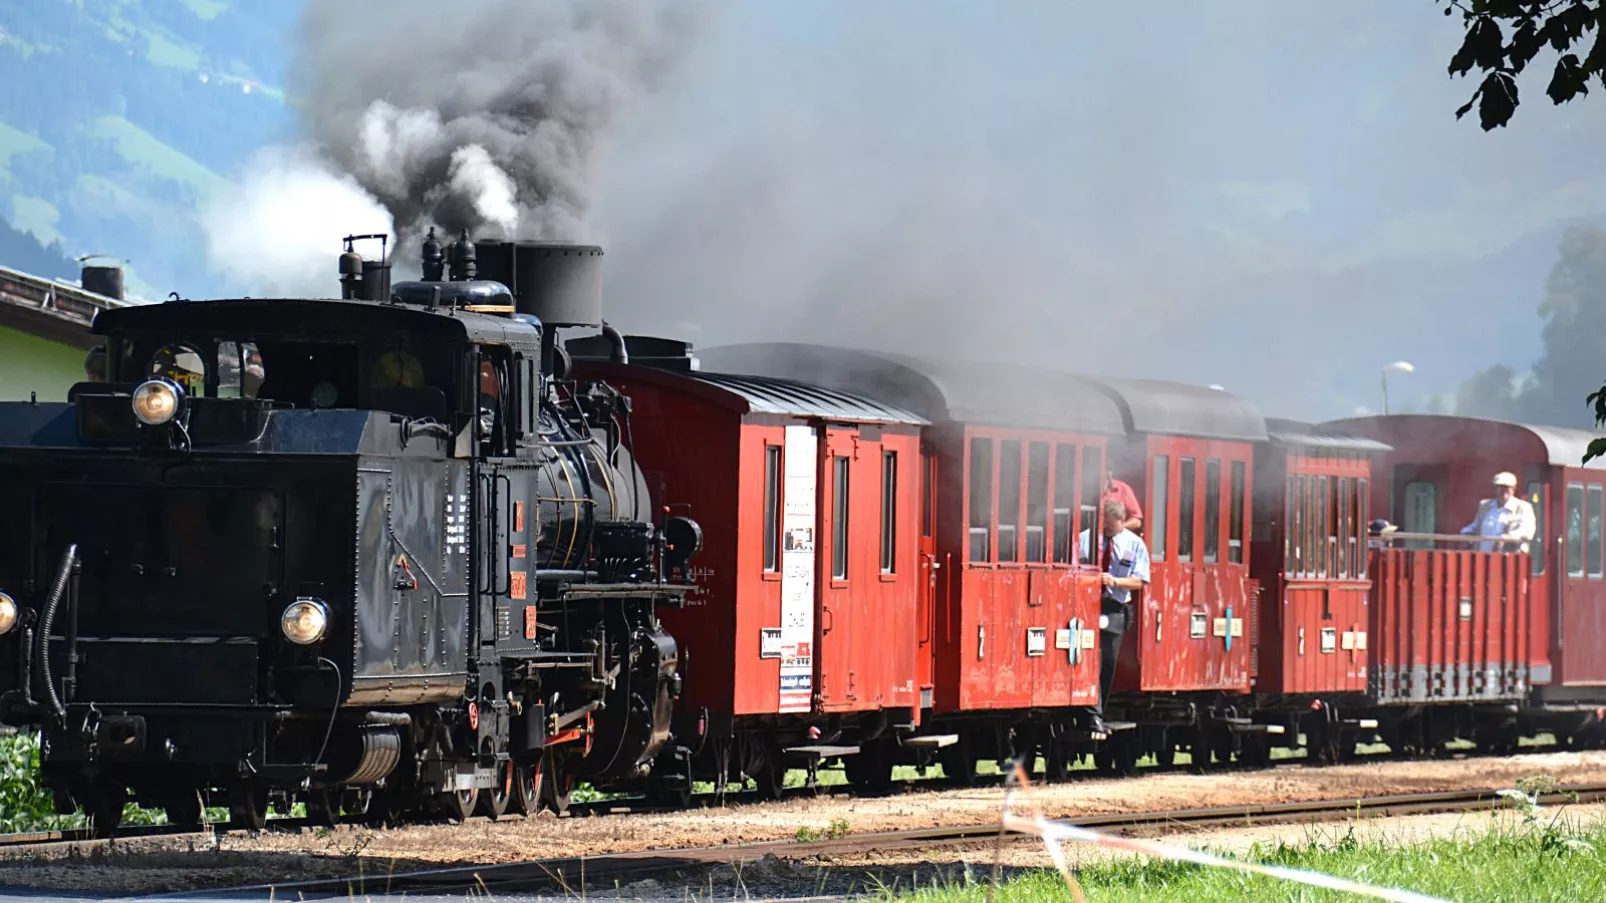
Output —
<point x="931" y="741"/>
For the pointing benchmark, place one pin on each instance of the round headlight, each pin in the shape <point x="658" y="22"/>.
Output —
<point x="304" y="621"/>
<point x="8" y="613"/>
<point x="156" y="401"/>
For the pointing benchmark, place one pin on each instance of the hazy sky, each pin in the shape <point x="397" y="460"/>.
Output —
<point x="1268" y="194"/>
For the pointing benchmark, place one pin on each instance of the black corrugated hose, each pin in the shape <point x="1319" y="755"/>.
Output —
<point x="47" y="619"/>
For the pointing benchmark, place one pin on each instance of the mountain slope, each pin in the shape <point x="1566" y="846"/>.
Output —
<point x="128" y="115"/>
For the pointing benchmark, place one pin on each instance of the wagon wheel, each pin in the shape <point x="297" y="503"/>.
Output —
<point x="494" y="802"/>
<point x="456" y="805"/>
<point x="958" y="765"/>
<point x="1056" y="760"/>
<point x="1165" y="755"/>
<point x="870" y="771"/>
<point x="526" y="789"/>
<point x="771" y="778"/>
<point x="248" y="810"/>
<point x="1256" y="751"/>
<point x="558" y="785"/>
<point x="184" y="809"/>
<point x="386" y="807"/>
<point x="105" y="807"/>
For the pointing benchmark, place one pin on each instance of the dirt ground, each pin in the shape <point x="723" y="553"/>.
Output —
<point x="156" y="864"/>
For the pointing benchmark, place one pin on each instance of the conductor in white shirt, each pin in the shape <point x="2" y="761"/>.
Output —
<point x="1504" y="517"/>
<point x="1125" y="564"/>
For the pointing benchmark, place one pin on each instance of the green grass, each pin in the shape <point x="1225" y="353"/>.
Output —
<point x="1539" y="857"/>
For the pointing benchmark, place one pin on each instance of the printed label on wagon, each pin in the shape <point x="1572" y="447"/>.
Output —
<point x="796" y="639"/>
<point x="769" y="642"/>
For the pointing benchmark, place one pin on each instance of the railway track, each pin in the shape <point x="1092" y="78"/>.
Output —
<point x="577" y="873"/>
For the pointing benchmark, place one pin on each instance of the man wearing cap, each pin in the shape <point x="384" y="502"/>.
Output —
<point x="1124" y="561"/>
<point x="1505" y="516"/>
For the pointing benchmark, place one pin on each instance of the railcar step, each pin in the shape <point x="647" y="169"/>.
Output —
<point x="822" y="752"/>
<point x="933" y="741"/>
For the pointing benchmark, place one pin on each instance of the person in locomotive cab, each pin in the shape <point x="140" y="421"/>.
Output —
<point x="1121" y="492"/>
<point x="1124" y="561"/>
<point x="1504" y="517"/>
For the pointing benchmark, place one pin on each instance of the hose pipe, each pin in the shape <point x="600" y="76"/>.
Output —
<point x="47" y="619"/>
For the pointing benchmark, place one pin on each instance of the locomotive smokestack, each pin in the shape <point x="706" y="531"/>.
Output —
<point x="434" y="260"/>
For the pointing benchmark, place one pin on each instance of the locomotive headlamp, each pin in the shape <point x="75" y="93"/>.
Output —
<point x="8" y="613"/>
<point x="304" y="621"/>
<point x="157" y="401"/>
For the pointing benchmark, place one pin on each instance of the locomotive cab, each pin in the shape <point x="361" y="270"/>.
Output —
<point x="376" y="554"/>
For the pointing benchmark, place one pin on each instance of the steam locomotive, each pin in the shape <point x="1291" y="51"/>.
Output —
<point x="380" y="554"/>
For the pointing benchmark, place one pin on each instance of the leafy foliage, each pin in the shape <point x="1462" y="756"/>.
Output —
<point x="26" y="806"/>
<point x="1504" y="36"/>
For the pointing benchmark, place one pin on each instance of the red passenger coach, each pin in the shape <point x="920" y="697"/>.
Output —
<point x="1018" y="459"/>
<point x="1491" y="626"/>
<point x="801" y="640"/>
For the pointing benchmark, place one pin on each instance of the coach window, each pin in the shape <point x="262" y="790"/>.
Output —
<point x="1536" y="549"/>
<point x="1296" y="524"/>
<point x="1575" y="530"/>
<point x="1157" y="507"/>
<point x="839" y="518"/>
<point x="1092" y="492"/>
<point x="1008" y="500"/>
<point x="981" y="499"/>
<point x="889" y="512"/>
<point x="1036" y="501"/>
<point x="1064" y="502"/>
<point x="1186" y="493"/>
<point x="1212" y="512"/>
<point x="1363" y="516"/>
<point x="1235" y="515"/>
<point x="1594" y="532"/>
<point x="1343" y="499"/>
<point x="772" y="508"/>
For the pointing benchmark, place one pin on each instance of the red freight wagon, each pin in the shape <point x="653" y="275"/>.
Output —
<point x="800" y="642"/>
<point x="1018" y="467"/>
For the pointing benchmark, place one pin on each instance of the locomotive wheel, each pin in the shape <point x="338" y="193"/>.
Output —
<point x="526" y="789"/>
<point x="456" y="806"/>
<point x="386" y="808"/>
<point x="494" y="802"/>
<point x="323" y="808"/>
<point x="248" y="811"/>
<point x="557" y="787"/>
<point x="105" y="806"/>
<point x="184" y="809"/>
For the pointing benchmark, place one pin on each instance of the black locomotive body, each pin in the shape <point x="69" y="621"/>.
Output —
<point x="376" y="553"/>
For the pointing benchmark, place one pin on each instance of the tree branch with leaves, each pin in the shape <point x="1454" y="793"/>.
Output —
<point x="1504" y="36"/>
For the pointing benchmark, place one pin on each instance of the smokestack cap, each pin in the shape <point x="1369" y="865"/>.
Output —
<point x="558" y="282"/>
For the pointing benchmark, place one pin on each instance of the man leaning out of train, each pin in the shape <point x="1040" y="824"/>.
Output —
<point x="1504" y="517"/>
<point x="1124" y="559"/>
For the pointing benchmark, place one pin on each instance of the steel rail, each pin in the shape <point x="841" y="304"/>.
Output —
<point x="575" y="873"/>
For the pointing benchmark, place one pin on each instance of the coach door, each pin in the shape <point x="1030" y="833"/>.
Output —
<point x="1583" y="599"/>
<point x="840" y="683"/>
<point x="930" y="572"/>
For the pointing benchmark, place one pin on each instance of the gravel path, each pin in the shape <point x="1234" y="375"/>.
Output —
<point x="157" y="865"/>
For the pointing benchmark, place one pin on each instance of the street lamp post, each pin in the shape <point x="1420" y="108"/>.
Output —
<point x="1396" y="367"/>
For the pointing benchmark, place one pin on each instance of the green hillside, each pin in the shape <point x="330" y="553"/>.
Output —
<point x="120" y="117"/>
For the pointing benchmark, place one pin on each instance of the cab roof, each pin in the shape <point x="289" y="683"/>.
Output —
<point x="312" y="319"/>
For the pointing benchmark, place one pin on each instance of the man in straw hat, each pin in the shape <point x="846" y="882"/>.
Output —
<point x="1504" y="517"/>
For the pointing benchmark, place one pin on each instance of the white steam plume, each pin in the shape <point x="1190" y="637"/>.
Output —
<point x="278" y="231"/>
